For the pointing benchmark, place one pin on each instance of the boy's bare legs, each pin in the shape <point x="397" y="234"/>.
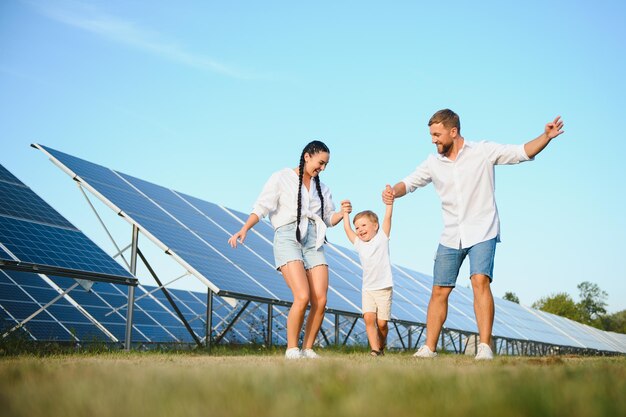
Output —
<point x="296" y="279"/>
<point x="483" y="306"/>
<point x="371" y="330"/>
<point x="383" y="330"/>
<point x="318" y="288"/>
<point x="437" y="314"/>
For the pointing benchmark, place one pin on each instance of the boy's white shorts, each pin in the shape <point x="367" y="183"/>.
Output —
<point x="379" y="302"/>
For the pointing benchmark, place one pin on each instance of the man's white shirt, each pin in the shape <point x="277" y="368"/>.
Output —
<point x="466" y="187"/>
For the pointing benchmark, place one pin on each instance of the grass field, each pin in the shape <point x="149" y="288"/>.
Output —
<point x="342" y="383"/>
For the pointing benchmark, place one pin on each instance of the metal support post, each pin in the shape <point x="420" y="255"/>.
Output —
<point x="410" y="336"/>
<point x="395" y="325"/>
<point x="336" y="329"/>
<point x="443" y="343"/>
<point x="356" y="319"/>
<point x="209" y="319"/>
<point x="270" y="323"/>
<point x="131" y="290"/>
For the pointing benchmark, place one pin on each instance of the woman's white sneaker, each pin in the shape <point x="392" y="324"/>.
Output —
<point x="425" y="352"/>
<point x="484" y="352"/>
<point x="293" y="353"/>
<point x="310" y="354"/>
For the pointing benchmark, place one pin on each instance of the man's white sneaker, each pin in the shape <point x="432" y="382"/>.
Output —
<point x="293" y="353"/>
<point x="424" y="352"/>
<point x="484" y="352"/>
<point x="310" y="354"/>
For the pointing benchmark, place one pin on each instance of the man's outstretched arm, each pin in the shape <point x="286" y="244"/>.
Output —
<point x="552" y="130"/>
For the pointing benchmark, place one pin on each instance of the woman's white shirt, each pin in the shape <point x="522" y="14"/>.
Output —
<point x="279" y="201"/>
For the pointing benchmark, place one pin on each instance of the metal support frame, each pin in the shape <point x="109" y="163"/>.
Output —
<point x="399" y="335"/>
<point x="410" y="336"/>
<point x="270" y="324"/>
<point x="120" y="252"/>
<point x="232" y="323"/>
<point x="131" y="289"/>
<point x="209" y="319"/>
<point x="336" y="329"/>
<point x="170" y="299"/>
<point x="324" y="336"/>
<point x="419" y="337"/>
<point x="42" y="309"/>
<point x="454" y="344"/>
<point x="443" y="343"/>
<point x="356" y="319"/>
<point x="464" y="348"/>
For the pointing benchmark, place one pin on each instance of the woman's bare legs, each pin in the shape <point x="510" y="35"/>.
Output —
<point x="296" y="278"/>
<point x="318" y="288"/>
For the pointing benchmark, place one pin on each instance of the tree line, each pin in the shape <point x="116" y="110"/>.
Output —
<point x="590" y="310"/>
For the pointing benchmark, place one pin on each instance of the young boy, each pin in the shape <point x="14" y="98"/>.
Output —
<point x="373" y="249"/>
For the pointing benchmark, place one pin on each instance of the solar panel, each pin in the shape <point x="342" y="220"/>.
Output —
<point x="195" y="232"/>
<point x="34" y="236"/>
<point x="22" y="294"/>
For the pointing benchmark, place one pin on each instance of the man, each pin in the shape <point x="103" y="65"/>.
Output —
<point x="463" y="176"/>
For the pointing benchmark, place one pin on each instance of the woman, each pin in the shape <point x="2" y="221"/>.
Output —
<point x="300" y="208"/>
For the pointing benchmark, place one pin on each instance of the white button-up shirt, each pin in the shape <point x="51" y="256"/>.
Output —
<point x="466" y="187"/>
<point x="279" y="200"/>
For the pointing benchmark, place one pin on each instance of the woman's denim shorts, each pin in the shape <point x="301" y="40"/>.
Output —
<point x="287" y="248"/>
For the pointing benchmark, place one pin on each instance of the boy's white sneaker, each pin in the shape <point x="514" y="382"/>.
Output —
<point x="425" y="352"/>
<point x="310" y="354"/>
<point x="293" y="353"/>
<point x="484" y="352"/>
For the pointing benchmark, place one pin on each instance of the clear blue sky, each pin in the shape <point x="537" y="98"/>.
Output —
<point x="211" y="97"/>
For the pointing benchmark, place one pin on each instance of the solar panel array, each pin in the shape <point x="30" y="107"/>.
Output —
<point x="34" y="234"/>
<point x="102" y="316"/>
<point x="99" y="315"/>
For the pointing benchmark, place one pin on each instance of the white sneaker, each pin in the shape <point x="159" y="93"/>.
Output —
<point x="293" y="353"/>
<point x="424" y="352"/>
<point x="310" y="354"/>
<point x="484" y="352"/>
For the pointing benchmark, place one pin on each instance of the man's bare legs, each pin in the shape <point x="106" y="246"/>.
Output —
<point x="483" y="307"/>
<point x="437" y="314"/>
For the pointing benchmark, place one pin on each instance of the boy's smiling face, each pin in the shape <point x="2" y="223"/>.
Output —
<point x="366" y="229"/>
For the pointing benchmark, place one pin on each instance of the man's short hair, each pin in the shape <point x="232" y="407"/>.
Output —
<point x="447" y="118"/>
<point x="366" y="213"/>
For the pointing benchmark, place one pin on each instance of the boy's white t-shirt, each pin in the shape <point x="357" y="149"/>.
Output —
<point x="375" y="261"/>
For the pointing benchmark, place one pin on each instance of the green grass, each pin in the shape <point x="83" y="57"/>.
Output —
<point x="261" y="383"/>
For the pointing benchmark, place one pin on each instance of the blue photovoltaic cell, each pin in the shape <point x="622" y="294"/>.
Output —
<point x="37" y="234"/>
<point x="197" y="231"/>
<point x="44" y="245"/>
<point x="212" y="264"/>
<point x="6" y="176"/>
<point x="213" y="239"/>
<point x="22" y="294"/>
<point x="21" y="202"/>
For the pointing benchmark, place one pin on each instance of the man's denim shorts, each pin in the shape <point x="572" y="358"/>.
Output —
<point x="448" y="262"/>
<point x="287" y="248"/>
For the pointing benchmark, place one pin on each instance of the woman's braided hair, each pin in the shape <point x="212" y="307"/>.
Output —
<point x="311" y="148"/>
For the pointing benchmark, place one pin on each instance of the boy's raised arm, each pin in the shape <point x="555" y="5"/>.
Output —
<point x="346" y="208"/>
<point x="388" y="214"/>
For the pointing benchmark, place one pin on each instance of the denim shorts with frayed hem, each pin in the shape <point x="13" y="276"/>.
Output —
<point x="448" y="262"/>
<point x="288" y="249"/>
